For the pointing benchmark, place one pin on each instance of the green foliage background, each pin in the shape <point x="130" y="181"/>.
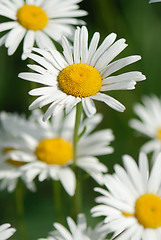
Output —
<point x="140" y="24"/>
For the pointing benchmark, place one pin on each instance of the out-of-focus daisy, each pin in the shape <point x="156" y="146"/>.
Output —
<point x="6" y="231"/>
<point x="149" y="123"/>
<point x="38" y="21"/>
<point x="81" y="74"/>
<point x="132" y="204"/>
<point x="79" y="231"/>
<point x="153" y="1"/>
<point x="48" y="148"/>
<point x="10" y="171"/>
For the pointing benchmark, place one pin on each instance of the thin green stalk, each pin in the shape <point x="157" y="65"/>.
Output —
<point x="77" y="197"/>
<point x="57" y="202"/>
<point x="75" y="136"/>
<point x="19" y="200"/>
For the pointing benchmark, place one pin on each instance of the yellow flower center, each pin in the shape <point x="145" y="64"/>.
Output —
<point x="159" y="134"/>
<point x="54" y="151"/>
<point x="32" y="17"/>
<point x="13" y="162"/>
<point x="80" y="80"/>
<point x="148" y="210"/>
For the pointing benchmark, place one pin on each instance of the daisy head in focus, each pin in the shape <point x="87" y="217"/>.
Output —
<point x="131" y="204"/>
<point x="6" y="231"/>
<point x="80" y="74"/>
<point x="10" y="170"/>
<point x="149" y="123"/>
<point x="38" y="21"/>
<point x="47" y="148"/>
<point x="79" y="231"/>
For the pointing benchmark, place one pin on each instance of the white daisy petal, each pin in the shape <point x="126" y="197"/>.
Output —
<point x="153" y="1"/>
<point x="7" y="26"/>
<point x="154" y="179"/>
<point x="6" y="231"/>
<point x="84" y="44"/>
<point x="77" y="46"/>
<point x="13" y="39"/>
<point x="63" y="231"/>
<point x="93" y="46"/>
<point x="42" y="40"/>
<point x="111" y="53"/>
<point x="67" y="179"/>
<point x="108" y="41"/>
<point x="3" y="39"/>
<point x="88" y="106"/>
<point x="28" y="43"/>
<point x="117" y="65"/>
<point x="113" y="103"/>
<point x="135" y="76"/>
<point x="67" y="51"/>
<point x="119" y="86"/>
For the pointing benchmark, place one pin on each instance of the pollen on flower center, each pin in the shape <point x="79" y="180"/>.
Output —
<point x="54" y="151"/>
<point x="80" y="80"/>
<point x="148" y="210"/>
<point x="32" y="17"/>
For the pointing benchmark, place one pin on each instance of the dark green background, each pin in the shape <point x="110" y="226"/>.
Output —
<point x="140" y="24"/>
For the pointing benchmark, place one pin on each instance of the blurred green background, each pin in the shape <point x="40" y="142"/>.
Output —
<point x="140" y="24"/>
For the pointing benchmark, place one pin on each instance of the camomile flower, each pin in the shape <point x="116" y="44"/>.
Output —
<point x="79" y="231"/>
<point x="81" y="74"/>
<point x="149" y="123"/>
<point x="47" y="148"/>
<point x="6" y="231"/>
<point x="132" y="204"/>
<point x="38" y="21"/>
<point x="10" y="170"/>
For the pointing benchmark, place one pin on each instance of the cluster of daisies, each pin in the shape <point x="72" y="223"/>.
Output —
<point x="42" y="146"/>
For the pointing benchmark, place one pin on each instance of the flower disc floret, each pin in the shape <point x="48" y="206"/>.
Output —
<point x="32" y="17"/>
<point x="148" y="210"/>
<point x="80" y="80"/>
<point x="54" y="151"/>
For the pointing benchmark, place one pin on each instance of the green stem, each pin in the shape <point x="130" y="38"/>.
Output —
<point x="57" y="202"/>
<point x="77" y="196"/>
<point x="19" y="199"/>
<point x="75" y="136"/>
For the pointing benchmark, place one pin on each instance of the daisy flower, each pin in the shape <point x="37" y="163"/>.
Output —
<point x="132" y="204"/>
<point x="10" y="170"/>
<point x="6" y="231"/>
<point x="48" y="150"/>
<point x="38" y="21"/>
<point x="81" y="74"/>
<point x="149" y="123"/>
<point x="79" y="231"/>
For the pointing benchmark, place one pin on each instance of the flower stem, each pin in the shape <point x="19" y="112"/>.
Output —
<point x="19" y="199"/>
<point x="57" y="202"/>
<point x="75" y="136"/>
<point x="77" y="197"/>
